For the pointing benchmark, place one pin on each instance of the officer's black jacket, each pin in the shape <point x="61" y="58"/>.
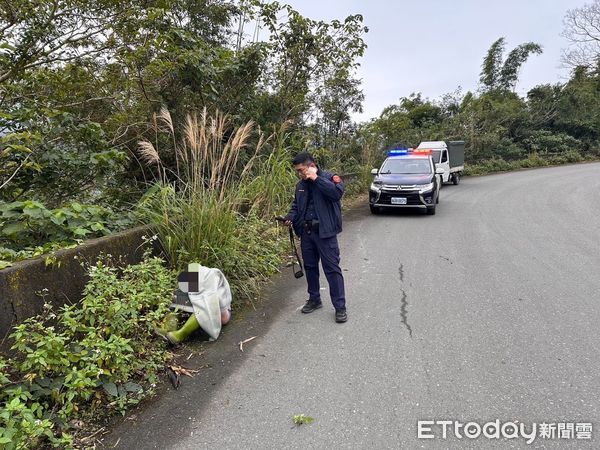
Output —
<point x="327" y="194"/>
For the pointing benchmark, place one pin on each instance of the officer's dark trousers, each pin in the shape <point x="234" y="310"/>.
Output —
<point x="328" y="251"/>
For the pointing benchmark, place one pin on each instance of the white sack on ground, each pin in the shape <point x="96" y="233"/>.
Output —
<point x="214" y="296"/>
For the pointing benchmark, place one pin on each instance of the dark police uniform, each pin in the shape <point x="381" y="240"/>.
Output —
<point x="316" y="216"/>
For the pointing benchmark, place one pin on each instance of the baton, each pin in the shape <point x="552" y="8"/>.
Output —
<point x="297" y="273"/>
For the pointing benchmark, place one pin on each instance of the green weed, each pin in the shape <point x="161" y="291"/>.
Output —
<point x="87" y="359"/>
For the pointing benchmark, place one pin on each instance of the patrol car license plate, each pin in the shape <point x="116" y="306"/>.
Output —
<point x="398" y="200"/>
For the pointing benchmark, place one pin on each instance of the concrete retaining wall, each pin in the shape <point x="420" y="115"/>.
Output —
<point x="65" y="279"/>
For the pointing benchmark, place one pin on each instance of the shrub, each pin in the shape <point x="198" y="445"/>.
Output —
<point x="87" y="359"/>
<point x="533" y="160"/>
<point x="544" y="141"/>
<point x="28" y="228"/>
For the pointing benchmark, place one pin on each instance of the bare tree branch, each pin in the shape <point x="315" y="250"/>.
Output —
<point x="15" y="172"/>
<point x="582" y="29"/>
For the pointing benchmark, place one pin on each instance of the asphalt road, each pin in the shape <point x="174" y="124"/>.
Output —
<point x="488" y="310"/>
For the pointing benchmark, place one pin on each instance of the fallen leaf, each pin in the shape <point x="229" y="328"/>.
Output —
<point x="184" y="371"/>
<point x="301" y="419"/>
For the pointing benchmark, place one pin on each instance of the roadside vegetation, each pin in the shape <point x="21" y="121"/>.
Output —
<point x="85" y="361"/>
<point x="181" y="117"/>
<point x="534" y="160"/>
<point x="229" y="183"/>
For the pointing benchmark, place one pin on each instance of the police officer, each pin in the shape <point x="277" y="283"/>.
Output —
<point x="316" y="216"/>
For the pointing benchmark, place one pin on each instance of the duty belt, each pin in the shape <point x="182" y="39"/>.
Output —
<point x="310" y="226"/>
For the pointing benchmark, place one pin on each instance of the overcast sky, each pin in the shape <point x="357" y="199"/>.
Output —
<point x="434" y="46"/>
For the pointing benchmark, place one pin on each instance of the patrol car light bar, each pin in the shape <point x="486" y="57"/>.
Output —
<point x="419" y="151"/>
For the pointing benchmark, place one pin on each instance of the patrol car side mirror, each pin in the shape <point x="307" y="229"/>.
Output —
<point x="374" y="171"/>
<point x="439" y="170"/>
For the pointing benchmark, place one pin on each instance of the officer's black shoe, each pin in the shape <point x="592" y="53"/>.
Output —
<point x="310" y="306"/>
<point x="340" y="315"/>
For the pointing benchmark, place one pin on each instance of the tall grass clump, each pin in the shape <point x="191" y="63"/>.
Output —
<point x="272" y="183"/>
<point x="214" y="207"/>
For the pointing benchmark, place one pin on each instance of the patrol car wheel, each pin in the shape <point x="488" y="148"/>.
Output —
<point x="374" y="209"/>
<point x="431" y="211"/>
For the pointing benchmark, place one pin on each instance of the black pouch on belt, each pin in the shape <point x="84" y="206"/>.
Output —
<point x="311" y="226"/>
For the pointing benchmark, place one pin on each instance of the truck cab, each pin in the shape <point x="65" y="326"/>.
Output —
<point x="450" y="156"/>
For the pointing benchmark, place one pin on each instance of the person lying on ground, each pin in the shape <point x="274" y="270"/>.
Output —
<point x="209" y="295"/>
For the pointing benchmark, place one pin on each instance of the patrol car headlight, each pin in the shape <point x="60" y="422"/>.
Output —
<point x="376" y="186"/>
<point x="425" y="188"/>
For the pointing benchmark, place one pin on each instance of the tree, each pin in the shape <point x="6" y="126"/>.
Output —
<point x="44" y="32"/>
<point x="306" y="55"/>
<point x="83" y="77"/>
<point x="503" y="76"/>
<point x="542" y="102"/>
<point x="492" y="64"/>
<point x="578" y="108"/>
<point x="582" y="29"/>
<point x="339" y="96"/>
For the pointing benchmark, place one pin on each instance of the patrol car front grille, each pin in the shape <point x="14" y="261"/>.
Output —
<point x="402" y="187"/>
<point x="412" y="198"/>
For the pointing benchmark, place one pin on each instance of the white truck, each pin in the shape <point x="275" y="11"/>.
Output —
<point x="448" y="155"/>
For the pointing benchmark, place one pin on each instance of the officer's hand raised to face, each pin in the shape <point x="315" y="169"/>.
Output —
<point x="311" y="173"/>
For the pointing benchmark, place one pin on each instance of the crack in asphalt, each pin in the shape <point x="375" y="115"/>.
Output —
<point x="404" y="302"/>
<point x="404" y="312"/>
<point x="447" y="259"/>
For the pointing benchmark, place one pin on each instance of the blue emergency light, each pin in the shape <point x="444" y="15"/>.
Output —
<point x="397" y="152"/>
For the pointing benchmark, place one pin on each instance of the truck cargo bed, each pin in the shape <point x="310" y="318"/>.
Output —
<point x="456" y="154"/>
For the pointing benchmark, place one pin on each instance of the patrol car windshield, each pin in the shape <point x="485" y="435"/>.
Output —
<point x="409" y="165"/>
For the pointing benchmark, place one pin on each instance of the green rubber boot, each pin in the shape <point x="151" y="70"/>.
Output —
<point x="177" y="337"/>
<point x="169" y="323"/>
